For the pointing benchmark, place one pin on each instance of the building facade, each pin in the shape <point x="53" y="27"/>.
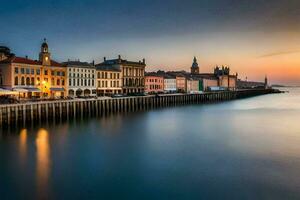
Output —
<point x="170" y="84"/>
<point x="81" y="78"/>
<point x="193" y="86"/>
<point x="34" y="78"/>
<point x="132" y="74"/>
<point x="154" y="83"/>
<point x="181" y="84"/>
<point x="109" y="80"/>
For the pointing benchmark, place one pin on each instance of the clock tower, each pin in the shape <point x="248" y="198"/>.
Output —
<point x="44" y="54"/>
<point x="195" y="67"/>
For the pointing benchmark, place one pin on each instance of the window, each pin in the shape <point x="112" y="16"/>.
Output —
<point x="62" y="73"/>
<point x="32" y="71"/>
<point x="99" y="84"/>
<point x="52" y="81"/>
<point x="16" y="70"/>
<point x="32" y="81"/>
<point x="92" y="82"/>
<point x="89" y="82"/>
<point x="22" y="81"/>
<point x="38" y="71"/>
<point x="70" y="82"/>
<point x="102" y="75"/>
<point x="63" y="82"/>
<point x="27" y="71"/>
<point x="22" y="71"/>
<point x="52" y="73"/>
<point x="16" y="81"/>
<point x="27" y="81"/>
<point x="74" y="82"/>
<point x="38" y="81"/>
<point x="81" y="82"/>
<point x="98" y="74"/>
<point x="57" y="82"/>
<point x="58" y="73"/>
<point x="85" y="82"/>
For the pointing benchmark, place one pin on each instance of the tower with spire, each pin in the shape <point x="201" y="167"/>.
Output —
<point x="44" y="54"/>
<point x="195" y="67"/>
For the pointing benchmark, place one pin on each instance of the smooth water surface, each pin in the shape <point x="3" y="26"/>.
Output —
<point x="243" y="149"/>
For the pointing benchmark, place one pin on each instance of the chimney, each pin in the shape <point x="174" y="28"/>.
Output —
<point x="119" y="57"/>
<point x="104" y="59"/>
<point x="144" y="61"/>
<point x="93" y="62"/>
<point x="26" y="57"/>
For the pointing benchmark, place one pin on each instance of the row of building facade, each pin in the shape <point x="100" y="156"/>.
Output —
<point x="193" y="82"/>
<point x="50" y="79"/>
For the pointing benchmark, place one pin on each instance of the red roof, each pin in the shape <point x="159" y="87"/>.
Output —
<point x="29" y="61"/>
<point x="25" y="61"/>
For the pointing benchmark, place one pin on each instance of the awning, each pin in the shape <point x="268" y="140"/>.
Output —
<point x="7" y="92"/>
<point x="20" y="90"/>
<point x="57" y="89"/>
<point x="27" y="89"/>
<point x="33" y="89"/>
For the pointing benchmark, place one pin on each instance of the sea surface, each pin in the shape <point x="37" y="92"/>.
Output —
<point x="242" y="149"/>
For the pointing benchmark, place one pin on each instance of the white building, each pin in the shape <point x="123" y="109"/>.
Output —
<point x="169" y="84"/>
<point x="81" y="78"/>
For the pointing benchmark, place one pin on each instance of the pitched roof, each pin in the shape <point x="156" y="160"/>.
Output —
<point x="77" y="64"/>
<point x="15" y="59"/>
<point x="121" y="61"/>
<point x="107" y="68"/>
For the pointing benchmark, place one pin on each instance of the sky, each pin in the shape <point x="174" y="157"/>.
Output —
<point x="253" y="37"/>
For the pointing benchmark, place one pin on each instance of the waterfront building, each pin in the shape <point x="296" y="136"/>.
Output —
<point x="225" y="79"/>
<point x="33" y="78"/>
<point x="81" y="78"/>
<point x="109" y="80"/>
<point x="169" y="83"/>
<point x="181" y="83"/>
<point x="132" y="74"/>
<point x="193" y="85"/>
<point x="154" y="83"/>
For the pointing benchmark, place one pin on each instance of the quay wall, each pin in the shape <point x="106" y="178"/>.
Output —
<point x="51" y="111"/>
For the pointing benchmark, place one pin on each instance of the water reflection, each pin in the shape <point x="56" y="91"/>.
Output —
<point x="23" y="146"/>
<point x="42" y="163"/>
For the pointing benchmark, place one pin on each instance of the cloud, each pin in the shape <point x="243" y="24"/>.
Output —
<point x="279" y="53"/>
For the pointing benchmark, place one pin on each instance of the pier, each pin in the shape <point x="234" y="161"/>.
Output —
<point x="51" y="111"/>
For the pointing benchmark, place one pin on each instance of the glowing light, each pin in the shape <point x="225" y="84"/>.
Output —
<point x="43" y="161"/>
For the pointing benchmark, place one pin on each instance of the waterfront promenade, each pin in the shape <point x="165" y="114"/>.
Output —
<point x="51" y="111"/>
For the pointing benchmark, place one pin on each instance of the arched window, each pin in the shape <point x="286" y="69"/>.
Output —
<point x="57" y="82"/>
<point x="27" y="81"/>
<point x="16" y="80"/>
<point x="32" y="81"/>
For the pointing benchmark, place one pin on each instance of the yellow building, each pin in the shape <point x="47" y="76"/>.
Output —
<point x="132" y="74"/>
<point x="109" y="80"/>
<point x="33" y="78"/>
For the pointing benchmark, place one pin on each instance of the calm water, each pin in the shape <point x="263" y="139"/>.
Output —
<point x="244" y="149"/>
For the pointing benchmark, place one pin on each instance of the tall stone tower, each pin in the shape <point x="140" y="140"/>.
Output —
<point x="44" y="54"/>
<point x="195" y="67"/>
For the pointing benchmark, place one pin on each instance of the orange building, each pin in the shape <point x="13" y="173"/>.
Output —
<point x="33" y="78"/>
<point x="154" y="83"/>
